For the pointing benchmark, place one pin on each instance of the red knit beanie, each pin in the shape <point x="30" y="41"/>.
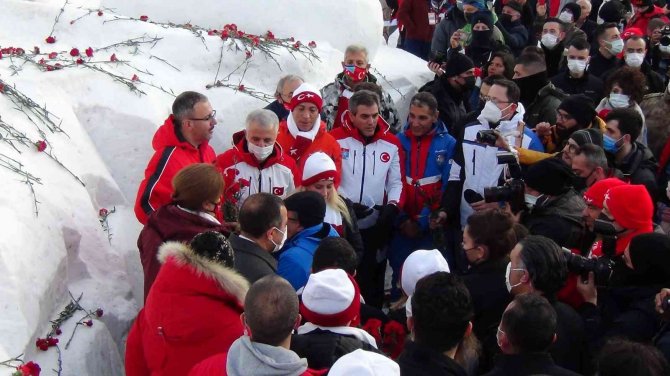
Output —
<point x="595" y="195"/>
<point x="631" y="206"/>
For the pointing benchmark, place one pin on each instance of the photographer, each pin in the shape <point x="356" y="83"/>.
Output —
<point x="553" y="204"/>
<point x="538" y="266"/>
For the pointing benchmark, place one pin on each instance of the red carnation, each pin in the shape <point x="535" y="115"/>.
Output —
<point x="2" y="87"/>
<point x="36" y="50"/>
<point x="29" y="369"/>
<point x="52" y="341"/>
<point x="51" y="39"/>
<point x="58" y="331"/>
<point x="103" y="213"/>
<point x="0" y="54"/>
<point x="99" y="312"/>
<point x="269" y="35"/>
<point x="74" y="52"/>
<point x="19" y="51"/>
<point x="296" y="45"/>
<point x="291" y="39"/>
<point x="99" y="13"/>
<point x="144" y="18"/>
<point x="244" y="183"/>
<point x="41" y="144"/>
<point x="248" y="54"/>
<point x="88" y="323"/>
<point x="224" y="34"/>
<point x="89" y="52"/>
<point x="42" y="344"/>
<point x="53" y="55"/>
<point x="80" y="61"/>
<point x="135" y="78"/>
<point x="240" y="33"/>
<point x="240" y="88"/>
<point x="211" y="32"/>
<point x="256" y="41"/>
<point x="58" y="66"/>
<point x="113" y="58"/>
<point x="477" y="72"/>
<point x="312" y="44"/>
<point x="50" y="68"/>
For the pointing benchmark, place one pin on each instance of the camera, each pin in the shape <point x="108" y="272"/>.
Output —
<point x="513" y="190"/>
<point x="601" y="267"/>
<point x="607" y="232"/>
<point x="487" y="136"/>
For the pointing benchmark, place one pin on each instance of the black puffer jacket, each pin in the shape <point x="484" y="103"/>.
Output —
<point x="322" y="348"/>
<point x="588" y="84"/>
<point x="639" y="167"/>
<point x="543" y="108"/>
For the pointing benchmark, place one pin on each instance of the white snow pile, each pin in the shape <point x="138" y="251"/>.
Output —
<point x="107" y="128"/>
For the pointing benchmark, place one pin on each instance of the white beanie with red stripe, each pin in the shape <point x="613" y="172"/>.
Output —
<point x="330" y="298"/>
<point x="318" y="166"/>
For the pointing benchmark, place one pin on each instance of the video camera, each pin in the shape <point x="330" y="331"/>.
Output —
<point x="513" y="190"/>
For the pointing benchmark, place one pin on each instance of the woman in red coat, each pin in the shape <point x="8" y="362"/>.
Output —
<point x="192" y="311"/>
<point x="197" y="190"/>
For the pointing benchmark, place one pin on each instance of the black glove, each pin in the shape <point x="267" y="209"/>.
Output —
<point x="362" y="211"/>
<point x="387" y="215"/>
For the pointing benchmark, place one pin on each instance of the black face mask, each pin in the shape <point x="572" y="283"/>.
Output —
<point x="481" y="38"/>
<point x="530" y="86"/>
<point x="506" y="19"/>
<point x="469" y="83"/>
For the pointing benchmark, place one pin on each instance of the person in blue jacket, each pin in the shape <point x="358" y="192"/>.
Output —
<point x="305" y="230"/>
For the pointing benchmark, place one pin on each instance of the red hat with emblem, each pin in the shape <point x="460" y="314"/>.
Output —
<point x="306" y="93"/>
<point x="595" y="195"/>
<point x="632" y="32"/>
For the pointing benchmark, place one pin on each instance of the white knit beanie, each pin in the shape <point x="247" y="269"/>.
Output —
<point x="419" y="264"/>
<point x="330" y="298"/>
<point x="364" y="363"/>
<point x="318" y="166"/>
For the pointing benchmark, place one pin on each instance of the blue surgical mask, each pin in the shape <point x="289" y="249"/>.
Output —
<point x="610" y="144"/>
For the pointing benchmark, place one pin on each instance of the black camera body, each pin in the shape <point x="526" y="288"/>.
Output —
<point x="487" y="136"/>
<point x="601" y="267"/>
<point x="513" y="190"/>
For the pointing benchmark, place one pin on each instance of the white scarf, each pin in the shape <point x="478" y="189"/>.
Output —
<point x="344" y="330"/>
<point x="295" y="132"/>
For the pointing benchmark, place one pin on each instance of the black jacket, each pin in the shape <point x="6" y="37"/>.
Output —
<point x="486" y="283"/>
<point x="554" y="58"/>
<point x="589" y="28"/>
<point x="322" y="348"/>
<point x="278" y="109"/>
<point x="543" y="108"/>
<point x="528" y="364"/>
<point x="516" y="35"/>
<point x="351" y="232"/>
<point x="639" y="167"/>
<point x="559" y="219"/>
<point x="599" y="64"/>
<point x="588" y="84"/>
<point x="570" y="349"/>
<point x="419" y="360"/>
<point x="252" y="261"/>
<point x="452" y="105"/>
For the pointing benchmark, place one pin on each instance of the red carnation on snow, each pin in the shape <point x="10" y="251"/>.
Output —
<point x="88" y="323"/>
<point x="212" y="32"/>
<point x="248" y="54"/>
<point x="51" y="39"/>
<point x="99" y="312"/>
<point x="144" y="18"/>
<point x="41" y="144"/>
<point x="99" y="13"/>
<point x="269" y="35"/>
<point x="135" y="78"/>
<point x="53" y="55"/>
<point x="312" y="44"/>
<point x="103" y="213"/>
<point x="89" y="52"/>
<point x="296" y="45"/>
<point x="74" y="52"/>
<point x="36" y="50"/>
<point x="240" y="88"/>
<point x="29" y="369"/>
<point x="80" y="61"/>
<point x="224" y="34"/>
<point x="44" y="343"/>
<point x="58" y="331"/>
<point x="113" y="58"/>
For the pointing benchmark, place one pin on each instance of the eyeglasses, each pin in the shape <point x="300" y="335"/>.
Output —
<point x="492" y="100"/>
<point x="208" y="117"/>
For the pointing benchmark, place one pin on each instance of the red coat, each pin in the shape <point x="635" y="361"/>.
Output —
<point x="165" y="224"/>
<point x="323" y="141"/>
<point x="641" y="20"/>
<point x="171" y="155"/>
<point x="413" y="15"/>
<point x="192" y="312"/>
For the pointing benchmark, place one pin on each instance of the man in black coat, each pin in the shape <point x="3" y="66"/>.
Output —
<point x="528" y="328"/>
<point x="283" y="95"/>
<point x="452" y="86"/>
<point x="263" y="226"/>
<point x="538" y="267"/>
<point x="440" y="321"/>
<point x="575" y="79"/>
<point x="610" y="44"/>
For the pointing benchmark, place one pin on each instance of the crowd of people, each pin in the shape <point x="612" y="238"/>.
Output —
<point x="515" y="223"/>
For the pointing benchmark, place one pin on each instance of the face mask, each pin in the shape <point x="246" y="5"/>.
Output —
<point x="600" y="21"/>
<point x="530" y="200"/>
<point x="549" y="40"/>
<point x="507" y="273"/>
<point x="261" y="153"/>
<point x="459" y="5"/>
<point x="469" y="83"/>
<point x="610" y="144"/>
<point x="283" y="240"/>
<point x="619" y="100"/>
<point x="355" y="73"/>
<point x="576" y="66"/>
<point x="634" y="59"/>
<point x="565" y="17"/>
<point x="615" y="47"/>
<point x="506" y="18"/>
<point x="491" y="112"/>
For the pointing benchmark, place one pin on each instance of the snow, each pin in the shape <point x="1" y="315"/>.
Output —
<point x="108" y="144"/>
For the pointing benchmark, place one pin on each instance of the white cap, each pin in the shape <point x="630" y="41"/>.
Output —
<point x="318" y="166"/>
<point x="328" y="291"/>
<point x="419" y="264"/>
<point x="364" y="363"/>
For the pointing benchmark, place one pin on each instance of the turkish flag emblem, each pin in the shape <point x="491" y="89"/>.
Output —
<point x="278" y="191"/>
<point x="385" y="157"/>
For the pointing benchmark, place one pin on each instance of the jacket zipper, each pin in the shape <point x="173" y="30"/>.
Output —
<point x="260" y="181"/>
<point x="374" y="161"/>
<point x="363" y="177"/>
<point x="353" y="172"/>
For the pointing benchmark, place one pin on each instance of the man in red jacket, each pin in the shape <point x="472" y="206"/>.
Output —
<point x="182" y="140"/>
<point x="645" y="10"/>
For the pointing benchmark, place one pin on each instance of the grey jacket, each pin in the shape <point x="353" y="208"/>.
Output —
<point x="253" y="358"/>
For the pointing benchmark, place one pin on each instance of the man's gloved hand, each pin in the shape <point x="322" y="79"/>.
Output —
<point x="387" y="215"/>
<point x="362" y="211"/>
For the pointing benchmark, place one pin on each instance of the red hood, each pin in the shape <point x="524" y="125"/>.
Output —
<point x="242" y="152"/>
<point x="383" y="128"/>
<point x="166" y="136"/>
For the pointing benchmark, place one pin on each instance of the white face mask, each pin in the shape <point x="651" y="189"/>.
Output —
<point x="283" y="240"/>
<point x="507" y="273"/>
<point x="565" y="17"/>
<point x="576" y="66"/>
<point x="615" y="46"/>
<point x="634" y="59"/>
<point x="600" y="21"/>
<point x="260" y="152"/>
<point x="549" y="40"/>
<point x="619" y="100"/>
<point x="492" y="113"/>
<point x="530" y="200"/>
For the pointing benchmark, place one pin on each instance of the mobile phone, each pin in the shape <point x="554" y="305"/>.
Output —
<point x="438" y="57"/>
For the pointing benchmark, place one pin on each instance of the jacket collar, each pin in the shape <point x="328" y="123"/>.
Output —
<point x="227" y="278"/>
<point x="242" y="245"/>
<point x="243" y="152"/>
<point x="439" y="128"/>
<point x="167" y="135"/>
<point x="383" y="128"/>
<point x="525" y="363"/>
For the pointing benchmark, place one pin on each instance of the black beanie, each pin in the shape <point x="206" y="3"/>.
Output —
<point x="482" y="16"/>
<point x="611" y="11"/>
<point x="580" y="107"/>
<point x="575" y="9"/>
<point x="456" y="64"/>
<point x="550" y="176"/>
<point x="514" y="5"/>
<point x="214" y="246"/>
<point x="310" y="207"/>
<point x="588" y="136"/>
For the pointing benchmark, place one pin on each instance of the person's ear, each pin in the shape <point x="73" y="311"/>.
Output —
<point x="553" y="340"/>
<point x="468" y="330"/>
<point x="627" y="139"/>
<point x="242" y="320"/>
<point x="298" y="320"/>
<point x="525" y="278"/>
<point x="410" y="324"/>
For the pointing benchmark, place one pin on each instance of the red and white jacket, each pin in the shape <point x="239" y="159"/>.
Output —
<point x="369" y="167"/>
<point x="276" y="175"/>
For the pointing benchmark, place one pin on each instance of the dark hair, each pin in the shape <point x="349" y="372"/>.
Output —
<point x="621" y="357"/>
<point x="183" y="105"/>
<point x="493" y="229"/>
<point x="561" y="24"/>
<point x="520" y="231"/>
<point x="371" y="86"/>
<point x="441" y="309"/>
<point x="533" y="62"/>
<point x="271" y="310"/>
<point x="508" y="62"/>
<point x="545" y="263"/>
<point x="512" y="89"/>
<point x="595" y="156"/>
<point x="363" y="98"/>
<point x="533" y="50"/>
<point x="631" y="80"/>
<point x="630" y="121"/>
<point x="259" y="213"/>
<point x="196" y="184"/>
<point x="579" y="44"/>
<point x="529" y="323"/>
<point x="334" y="253"/>
<point x="602" y="28"/>
<point x="214" y="246"/>
<point x="425" y="99"/>
<point x="490" y="80"/>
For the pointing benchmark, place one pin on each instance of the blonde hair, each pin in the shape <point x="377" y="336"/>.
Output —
<point x="195" y="184"/>
<point x="334" y="200"/>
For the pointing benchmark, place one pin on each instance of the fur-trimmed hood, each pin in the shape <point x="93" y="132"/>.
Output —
<point x="227" y="278"/>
